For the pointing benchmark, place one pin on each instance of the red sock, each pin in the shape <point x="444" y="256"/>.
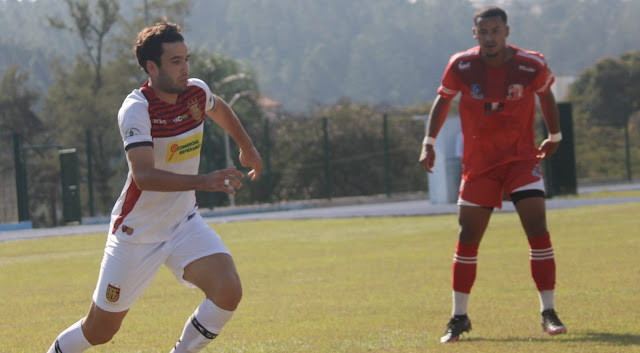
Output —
<point x="465" y="262"/>
<point x="543" y="265"/>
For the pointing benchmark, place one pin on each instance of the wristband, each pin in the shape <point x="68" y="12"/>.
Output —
<point x="557" y="137"/>
<point x="428" y="140"/>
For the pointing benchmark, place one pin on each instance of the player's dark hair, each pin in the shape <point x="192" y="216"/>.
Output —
<point x="148" y="44"/>
<point x="489" y="11"/>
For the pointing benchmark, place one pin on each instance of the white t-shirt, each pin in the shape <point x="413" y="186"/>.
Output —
<point x="175" y="132"/>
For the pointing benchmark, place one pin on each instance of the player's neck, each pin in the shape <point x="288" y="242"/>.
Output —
<point x="170" y="98"/>
<point x="498" y="60"/>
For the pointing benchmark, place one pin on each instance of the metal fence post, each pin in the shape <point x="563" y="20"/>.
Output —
<point x="90" y="172"/>
<point x="387" y="163"/>
<point x="327" y="162"/>
<point x="21" y="180"/>
<point x="267" y="160"/>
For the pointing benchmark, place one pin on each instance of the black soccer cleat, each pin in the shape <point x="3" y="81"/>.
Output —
<point x="551" y="324"/>
<point x="456" y="326"/>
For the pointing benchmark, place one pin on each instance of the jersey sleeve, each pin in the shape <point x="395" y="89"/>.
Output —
<point x="449" y="86"/>
<point x="134" y="121"/>
<point x="211" y="100"/>
<point x="543" y="81"/>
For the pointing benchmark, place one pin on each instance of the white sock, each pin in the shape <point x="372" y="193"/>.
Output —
<point x="71" y="340"/>
<point x="546" y="299"/>
<point x="202" y="327"/>
<point x="460" y="303"/>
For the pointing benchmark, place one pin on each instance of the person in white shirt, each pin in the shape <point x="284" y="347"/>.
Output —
<point x="155" y="220"/>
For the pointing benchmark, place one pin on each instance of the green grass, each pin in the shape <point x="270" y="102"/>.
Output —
<point x="605" y="193"/>
<point x="353" y="285"/>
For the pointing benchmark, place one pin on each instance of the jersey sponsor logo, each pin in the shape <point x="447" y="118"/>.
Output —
<point x="196" y="113"/>
<point x="132" y="132"/>
<point x="493" y="107"/>
<point x="476" y="91"/>
<point x="464" y="65"/>
<point x="113" y="293"/>
<point x="514" y="92"/>
<point x="159" y="121"/>
<point x="184" y="149"/>
<point x="180" y="118"/>
<point x="526" y="68"/>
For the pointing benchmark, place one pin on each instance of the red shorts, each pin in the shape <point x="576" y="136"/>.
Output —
<point x="487" y="189"/>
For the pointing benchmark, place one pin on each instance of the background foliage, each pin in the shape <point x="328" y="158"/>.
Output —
<point x="67" y="68"/>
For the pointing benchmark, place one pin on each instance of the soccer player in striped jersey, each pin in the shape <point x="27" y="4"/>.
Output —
<point x="498" y="85"/>
<point x="156" y="221"/>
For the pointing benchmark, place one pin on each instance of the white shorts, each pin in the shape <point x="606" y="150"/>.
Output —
<point x="127" y="269"/>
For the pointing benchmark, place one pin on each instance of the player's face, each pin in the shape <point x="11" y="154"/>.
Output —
<point x="491" y="34"/>
<point x="173" y="73"/>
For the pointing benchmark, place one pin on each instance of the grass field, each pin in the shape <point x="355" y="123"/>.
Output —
<point x="353" y="285"/>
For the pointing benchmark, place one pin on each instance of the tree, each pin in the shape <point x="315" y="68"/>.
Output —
<point x="608" y="94"/>
<point x="17" y="104"/>
<point x="38" y="153"/>
<point x="356" y="152"/>
<point x="91" y="33"/>
<point x="236" y="83"/>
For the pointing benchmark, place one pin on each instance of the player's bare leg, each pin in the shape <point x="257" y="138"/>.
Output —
<point x="532" y="214"/>
<point x="217" y="277"/>
<point x="473" y="223"/>
<point x="98" y="327"/>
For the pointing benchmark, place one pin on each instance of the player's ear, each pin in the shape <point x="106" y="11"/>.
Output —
<point x="152" y="68"/>
<point x="475" y="32"/>
<point x="507" y="32"/>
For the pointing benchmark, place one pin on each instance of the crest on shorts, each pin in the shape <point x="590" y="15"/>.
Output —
<point x="196" y="113"/>
<point x="113" y="293"/>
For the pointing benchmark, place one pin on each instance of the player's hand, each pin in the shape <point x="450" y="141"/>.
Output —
<point x="251" y="158"/>
<point x="225" y="180"/>
<point x="547" y="149"/>
<point x="427" y="157"/>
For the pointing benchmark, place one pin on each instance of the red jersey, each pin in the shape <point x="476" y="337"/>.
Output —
<point x="497" y="106"/>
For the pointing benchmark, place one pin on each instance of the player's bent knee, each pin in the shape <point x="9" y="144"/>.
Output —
<point x="231" y="295"/>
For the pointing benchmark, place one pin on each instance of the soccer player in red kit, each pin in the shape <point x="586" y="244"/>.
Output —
<point x="498" y="85"/>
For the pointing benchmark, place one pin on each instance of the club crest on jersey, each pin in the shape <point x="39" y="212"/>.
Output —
<point x="514" y="92"/>
<point x="476" y="91"/>
<point x="196" y="113"/>
<point x="113" y="293"/>
<point x="184" y="149"/>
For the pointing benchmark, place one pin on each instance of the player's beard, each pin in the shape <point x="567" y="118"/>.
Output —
<point x="168" y="84"/>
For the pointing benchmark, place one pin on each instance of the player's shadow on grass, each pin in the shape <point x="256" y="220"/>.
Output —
<point x="589" y="336"/>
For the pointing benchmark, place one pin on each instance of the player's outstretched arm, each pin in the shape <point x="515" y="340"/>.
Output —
<point x="147" y="177"/>
<point x="224" y="116"/>
<point x="437" y="116"/>
<point x="551" y="117"/>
